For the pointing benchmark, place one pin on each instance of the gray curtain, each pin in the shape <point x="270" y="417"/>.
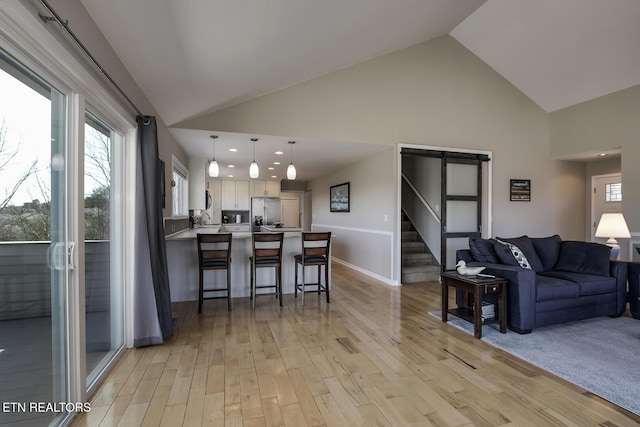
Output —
<point x="153" y="322"/>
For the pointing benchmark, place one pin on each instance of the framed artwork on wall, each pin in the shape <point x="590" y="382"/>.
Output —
<point x="339" y="198"/>
<point x="520" y="190"/>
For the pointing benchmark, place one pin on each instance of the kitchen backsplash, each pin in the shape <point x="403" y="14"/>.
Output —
<point x="231" y="216"/>
<point x="174" y="225"/>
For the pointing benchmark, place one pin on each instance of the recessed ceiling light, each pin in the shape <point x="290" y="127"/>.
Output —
<point x="271" y="168"/>
<point x="279" y="152"/>
<point x="602" y="154"/>
<point x="276" y="163"/>
<point x="273" y="176"/>
<point x="233" y="149"/>
<point x="231" y="166"/>
<point x="229" y="176"/>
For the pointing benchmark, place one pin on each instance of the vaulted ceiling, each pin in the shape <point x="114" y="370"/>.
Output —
<point x="192" y="57"/>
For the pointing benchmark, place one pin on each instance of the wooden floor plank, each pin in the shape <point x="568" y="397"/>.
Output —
<point x="373" y="357"/>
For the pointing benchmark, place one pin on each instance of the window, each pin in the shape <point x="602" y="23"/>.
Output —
<point x="613" y="192"/>
<point x="180" y="189"/>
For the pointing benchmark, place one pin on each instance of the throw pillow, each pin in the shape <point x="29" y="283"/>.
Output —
<point x="482" y="250"/>
<point x="548" y="249"/>
<point x="510" y="254"/>
<point x="526" y="247"/>
<point x="584" y="257"/>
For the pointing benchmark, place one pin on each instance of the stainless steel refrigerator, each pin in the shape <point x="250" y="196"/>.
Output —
<point x="265" y="210"/>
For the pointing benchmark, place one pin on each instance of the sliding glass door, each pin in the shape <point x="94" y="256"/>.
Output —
<point x="34" y="247"/>
<point x="103" y="187"/>
<point x="61" y="248"/>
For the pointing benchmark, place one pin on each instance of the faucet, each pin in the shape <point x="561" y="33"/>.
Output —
<point x="202" y="217"/>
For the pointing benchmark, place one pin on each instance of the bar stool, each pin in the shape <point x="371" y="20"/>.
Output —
<point x="266" y="253"/>
<point x="316" y="250"/>
<point x="214" y="253"/>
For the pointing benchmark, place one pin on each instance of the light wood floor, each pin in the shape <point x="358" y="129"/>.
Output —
<point x="373" y="357"/>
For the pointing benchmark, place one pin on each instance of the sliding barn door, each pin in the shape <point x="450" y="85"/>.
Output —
<point x="457" y="209"/>
<point x="461" y="202"/>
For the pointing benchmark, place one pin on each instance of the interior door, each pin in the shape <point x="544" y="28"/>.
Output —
<point x="461" y="203"/>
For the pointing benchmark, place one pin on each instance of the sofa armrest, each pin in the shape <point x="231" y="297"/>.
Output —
<point x="521" y="294"/>
<point x="619" y="270"/>
<point x="464" y="255"/>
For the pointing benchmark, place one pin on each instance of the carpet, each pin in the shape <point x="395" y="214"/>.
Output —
<point x="600" y="355"/>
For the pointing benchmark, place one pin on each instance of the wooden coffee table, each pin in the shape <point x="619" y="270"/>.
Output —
<point x="478" y="287"/>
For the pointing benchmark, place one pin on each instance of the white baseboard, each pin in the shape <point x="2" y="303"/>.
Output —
<point x="382" y="279"/>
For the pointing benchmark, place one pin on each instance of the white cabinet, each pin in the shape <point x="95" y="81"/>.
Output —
<point x="215" y="191"/>
<point x="260" y="188"/>
<point x="235" y="195"/>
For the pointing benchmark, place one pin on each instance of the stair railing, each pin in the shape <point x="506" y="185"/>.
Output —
<point x="423" y="217"/>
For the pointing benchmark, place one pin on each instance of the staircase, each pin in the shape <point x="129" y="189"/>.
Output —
<point x="418" y="264"/>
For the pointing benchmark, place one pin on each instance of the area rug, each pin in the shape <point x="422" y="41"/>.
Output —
<point x="600" y="355"/>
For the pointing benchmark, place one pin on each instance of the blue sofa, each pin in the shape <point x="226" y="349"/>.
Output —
<point x="550" y="280"/>
<point x="634" y="289"/>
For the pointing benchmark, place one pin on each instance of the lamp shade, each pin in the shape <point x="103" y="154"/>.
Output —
<point x="214" y="169"/>
<point x="254" y="171"/>
<point x="291" y="172"/>
<point x="612" y="225"/>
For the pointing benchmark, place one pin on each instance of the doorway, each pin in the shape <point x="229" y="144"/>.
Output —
<point x="446" y="195"/>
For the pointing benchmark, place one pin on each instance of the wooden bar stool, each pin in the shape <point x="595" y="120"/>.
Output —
<point x="266" y="253"/>
<point x="316" y="251"/>
<point x="214" y="253"/>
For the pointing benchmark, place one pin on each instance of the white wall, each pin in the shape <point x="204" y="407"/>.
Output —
<point x="436" y="93"/>
<point x="606" y="122"/>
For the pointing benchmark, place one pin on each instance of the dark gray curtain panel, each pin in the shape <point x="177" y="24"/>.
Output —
<point x="153" y="322"/>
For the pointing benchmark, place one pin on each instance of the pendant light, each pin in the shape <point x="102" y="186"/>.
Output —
<point x="291" y="170"/>
<point x="214" y="170"/>
<point x="253" y="169"/>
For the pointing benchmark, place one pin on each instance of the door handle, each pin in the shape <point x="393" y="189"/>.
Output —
<point x="71" y="251"/>
<point x="55" y="256"/>
<point x="58" y="258"/>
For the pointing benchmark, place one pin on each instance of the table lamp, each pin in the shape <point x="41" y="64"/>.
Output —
<point x="613" y="225"/>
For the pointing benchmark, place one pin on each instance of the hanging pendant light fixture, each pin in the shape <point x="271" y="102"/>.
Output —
<point x="291" y="170"/>
<point x="214" y="169"/>
<point x="253" y="169"/>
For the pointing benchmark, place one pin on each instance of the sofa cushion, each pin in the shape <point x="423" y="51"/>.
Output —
<point x="482" y="250"/>
<point x="509" y="250"/>
<point x="588" y="284"/>
<point x="584" y="257"/>
<point x="548" y="249"/>
<point x="552" y="288"/>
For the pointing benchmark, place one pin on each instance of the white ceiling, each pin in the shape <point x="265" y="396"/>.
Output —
<point x="312" y="158"/>
<point x="191" y="57"/>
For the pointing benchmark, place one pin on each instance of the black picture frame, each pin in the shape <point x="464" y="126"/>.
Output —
<point x="520" y="190"/>
<point x="340" y="198"/>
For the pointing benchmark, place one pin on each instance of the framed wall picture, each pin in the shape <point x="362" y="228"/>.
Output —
<point x="520" y="190"/>
<point x="339" y="198"/>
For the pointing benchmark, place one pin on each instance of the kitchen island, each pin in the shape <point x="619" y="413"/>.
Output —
<point x="182" y="260"/>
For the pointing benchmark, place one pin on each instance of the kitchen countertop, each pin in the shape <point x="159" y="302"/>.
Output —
<point x="275" y="229"/>
<point x="191" y="233"/>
